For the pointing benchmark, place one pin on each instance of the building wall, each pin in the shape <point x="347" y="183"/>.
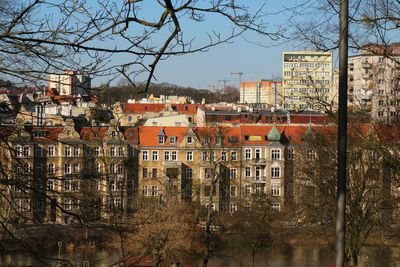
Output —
<point x="263" y="91"/>
<point x="307" y="79"/>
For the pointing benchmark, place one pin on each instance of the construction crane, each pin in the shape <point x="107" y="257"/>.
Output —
<point x="224" y="81"/>
<point x="240" y="74"/>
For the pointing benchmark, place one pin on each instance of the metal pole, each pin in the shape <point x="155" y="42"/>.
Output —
<point x="342" y="135"/>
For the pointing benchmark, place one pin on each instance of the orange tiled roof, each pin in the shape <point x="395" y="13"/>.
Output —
<point x="148" y="135"/>
<point x="93" y="133"/>
<point x="140" y="108"/>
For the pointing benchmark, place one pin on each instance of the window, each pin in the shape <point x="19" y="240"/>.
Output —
<point x="50" y="185"/>
<point x="189" y="155"/>
<point x="207" y="191"/>
<point x="275" y="189"/>
<point x="145" y="155"/>
<point x="275" y="172"/>
<point x="247" y="153"/>
<point x="121" y="168"/>
<point x="67" y="168"/>
<point x="189" y="140"/>
<point x="154" y="190"/>
<point x="247" y="172"/>
<point x="51" y="168"/>
<point x="97" y="151"/>
<point x="67" y="204"/>
<point x="189" y="173"/>
<point x="131" y="150"/>
<point x="275" y="206"/>
<point x="67" y="151"/>
<point x="67" y="185"/>
<point x="232" y="173"/>
<point x="247" y="190"/>
<point x="154" y="155"/>
<point x="75" y="186"/>
<point x="145" y="191"/>
<point x="275" y="154"/>
<point x="311" y="154"/>
<point x="257" y="153"/>
<point x="381" y="102"/>
<point x="120" y="151"/>
<point x="154" y="173"/>
<point x="160" y="139"/>
<point x="166" y="155"/>
<point x="144" y="172"/>
<point x="112" y="151"/>
<point x="76" y="151"/>
<point x="26" y="151"/>
<point x="233" y="155"/>
<point x="260" y="188"/>
<point x="232" y="207"/>
<point x="204" y="156"/>
<point x="380" y="113"/>
<point x="112" y="168"/>
<point x="290" y="154"/>
<point x="113" y="134"/>
<point x="174" y="155"/>
<point x="207" y="173"/>
<point x="39" y="167"/>
<point x="233" y="191"/>
<point x="223" y="156"/>
<point x="18" y="151"/>
<point x="172" y="140"/>
<point x="75" y="168"/>
<point x="39" y="151"/>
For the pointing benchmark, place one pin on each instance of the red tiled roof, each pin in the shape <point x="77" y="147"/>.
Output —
<point x="93" y="133"/>
<point x="52" y="132"/>
<point x="148" y="135"/>
<point x="187" y="108"/>
<point x="140" y="108"/>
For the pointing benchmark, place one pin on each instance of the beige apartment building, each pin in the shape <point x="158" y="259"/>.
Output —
<point x="261" y="92"/>
<point x="307" y="80"/>
<point x="374" y="81"/>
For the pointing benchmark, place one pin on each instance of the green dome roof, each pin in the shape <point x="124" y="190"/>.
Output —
<point x="274" y="134"/>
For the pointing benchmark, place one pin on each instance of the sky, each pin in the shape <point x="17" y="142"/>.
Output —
<point x="207" y="70"/>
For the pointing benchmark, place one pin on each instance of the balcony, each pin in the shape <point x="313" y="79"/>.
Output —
<point x="366" y="65"/>
<point x="367" y="76"/>
<point x="259" y="179"/>
<point x="259" y="161"/>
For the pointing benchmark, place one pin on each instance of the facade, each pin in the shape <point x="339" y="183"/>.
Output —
<point x="58" y="174"/>
<point x="374" y="86"/>
<point x="307" y="80"/>
<point x="70" y="83"/>
<point x="261" y="92"/>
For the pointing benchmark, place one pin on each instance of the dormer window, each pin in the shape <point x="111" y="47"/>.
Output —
<point x="172" y="140"/>
<point x="161" y="139"/>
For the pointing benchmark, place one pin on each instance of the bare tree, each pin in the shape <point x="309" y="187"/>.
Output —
<point x="43" y="37"/>
<point x="367" y="194"/>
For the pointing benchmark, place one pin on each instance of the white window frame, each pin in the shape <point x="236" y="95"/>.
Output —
<point x="145" y="155"/>
<point x="174" y="155"/>
<point x="189" y="140"/>
<point x="275" y="154"/>
<point x="189" y="155"/>
<point x="275" y="172"/>
<point x="154" y="155"/>
<point x="172" y="140"/>
<point x="247" y="153"/>
<point x="167" y="155"/>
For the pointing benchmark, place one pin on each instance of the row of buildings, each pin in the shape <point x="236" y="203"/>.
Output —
<point x="309" y="81"/>
<point x="61" y="174"/>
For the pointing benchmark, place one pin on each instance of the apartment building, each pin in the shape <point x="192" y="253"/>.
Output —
<point x="233" y="164"/>
<point x="60" y="173"/>
<point x="307" y="80"/>
<point x="70" y="83"/>
<point x="264" y="91"/>
<point x="374" y="81"/>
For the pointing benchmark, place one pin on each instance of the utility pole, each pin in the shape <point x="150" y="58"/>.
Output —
<point x="342" y="134"/>
<point x="240" y="80"/>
